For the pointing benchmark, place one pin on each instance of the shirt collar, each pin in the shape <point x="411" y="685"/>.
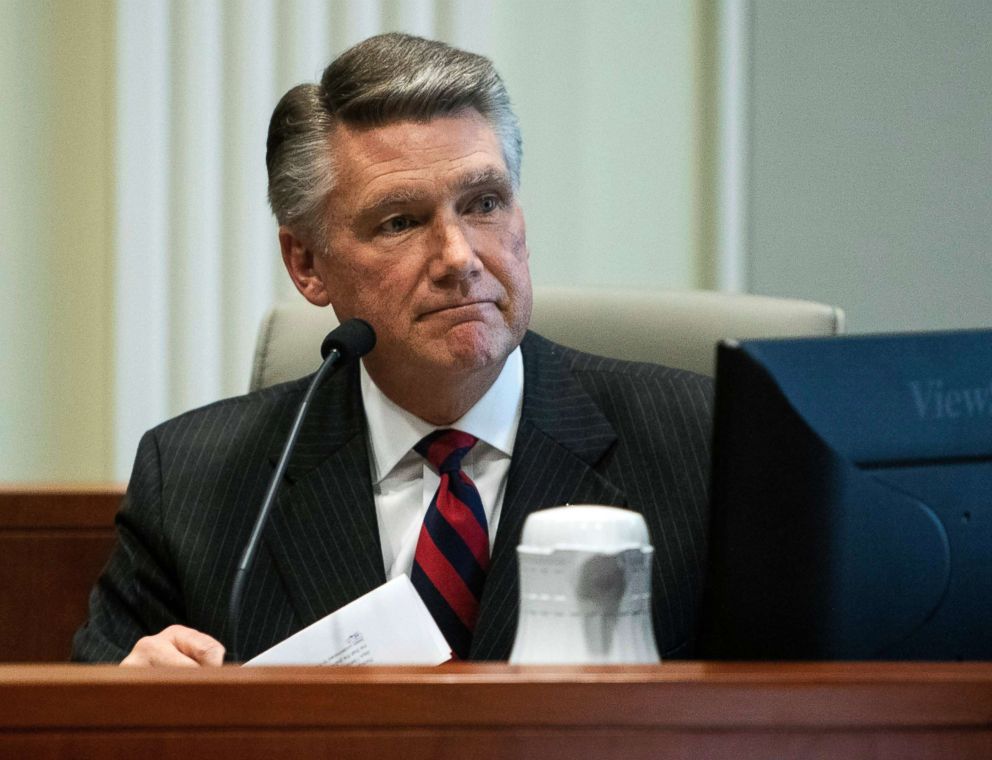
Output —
<point x="494" y="418"/>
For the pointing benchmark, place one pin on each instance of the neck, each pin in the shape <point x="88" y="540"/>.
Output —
<point x="437" y="398"/>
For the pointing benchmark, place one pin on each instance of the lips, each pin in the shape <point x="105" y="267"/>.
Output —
<point x="454" y="309"/>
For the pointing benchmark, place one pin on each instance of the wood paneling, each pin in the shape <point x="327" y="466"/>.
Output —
<point x="54" y="540"/>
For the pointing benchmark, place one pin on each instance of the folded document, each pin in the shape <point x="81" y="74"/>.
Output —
<point x="388" y="626"/>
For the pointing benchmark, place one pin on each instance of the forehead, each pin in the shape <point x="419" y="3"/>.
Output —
<point x="437" y="151"/>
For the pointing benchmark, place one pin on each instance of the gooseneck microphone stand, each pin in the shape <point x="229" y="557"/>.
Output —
<point x="342" y="345"/>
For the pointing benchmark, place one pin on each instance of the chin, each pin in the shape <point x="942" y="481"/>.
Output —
<point x="479" y="350"/>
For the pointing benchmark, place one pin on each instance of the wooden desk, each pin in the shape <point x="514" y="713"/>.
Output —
<point x="54" y="540"/>
<point x="681" y="710"/>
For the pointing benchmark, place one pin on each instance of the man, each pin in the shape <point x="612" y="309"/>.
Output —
<point x="394" y="183"/>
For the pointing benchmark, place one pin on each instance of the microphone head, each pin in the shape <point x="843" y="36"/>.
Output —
<point x="352" y="339"/>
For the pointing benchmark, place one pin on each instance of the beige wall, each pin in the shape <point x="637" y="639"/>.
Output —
<point x="55" y="239"/>
<point x="608" y="95"/>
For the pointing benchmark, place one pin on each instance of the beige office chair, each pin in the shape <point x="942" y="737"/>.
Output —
<point x="675" y="328"/>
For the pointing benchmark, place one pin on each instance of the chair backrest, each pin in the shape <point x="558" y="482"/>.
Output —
<point x="678" y="328"/>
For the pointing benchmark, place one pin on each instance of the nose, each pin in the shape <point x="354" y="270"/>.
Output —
<point x="454" y="255"/>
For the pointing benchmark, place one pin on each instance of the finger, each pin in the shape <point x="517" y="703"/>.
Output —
<point x="157" y="651"/>
<point x="176" y="646"/>
<point x="198" y="646"/>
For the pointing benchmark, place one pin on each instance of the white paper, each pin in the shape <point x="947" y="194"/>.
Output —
<point x="388" y="626"/>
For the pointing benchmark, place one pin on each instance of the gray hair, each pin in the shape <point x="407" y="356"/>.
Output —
<point x="383" y="80"/>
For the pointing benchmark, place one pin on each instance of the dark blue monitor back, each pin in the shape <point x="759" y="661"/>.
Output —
<point x="852" y="499"/>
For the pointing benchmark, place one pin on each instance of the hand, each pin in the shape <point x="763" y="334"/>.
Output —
<point x="176" y="646"/>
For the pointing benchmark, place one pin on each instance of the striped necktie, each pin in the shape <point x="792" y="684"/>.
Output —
<point x="452" y="556"/>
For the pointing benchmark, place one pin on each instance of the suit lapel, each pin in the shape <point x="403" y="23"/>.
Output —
<point x="323" y="535"/>
<point x="562" y="436"/>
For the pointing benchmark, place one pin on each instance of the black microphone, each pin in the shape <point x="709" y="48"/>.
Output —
<point x="351" y="340"/>
<point x="344" y="343"/>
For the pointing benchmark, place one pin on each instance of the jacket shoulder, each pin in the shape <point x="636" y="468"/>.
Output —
<point x="591" y="368"/>
<point x="233" y="418"/>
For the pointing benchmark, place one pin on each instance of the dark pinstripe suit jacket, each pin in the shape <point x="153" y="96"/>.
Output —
<point x="593" y="430"/>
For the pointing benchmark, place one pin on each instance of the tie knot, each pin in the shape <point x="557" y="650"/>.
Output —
<point x="445" y="449"/>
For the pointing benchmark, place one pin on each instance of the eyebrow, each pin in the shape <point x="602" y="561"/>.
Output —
<point x="399" y="197"/>
<point x="487" y="177"/>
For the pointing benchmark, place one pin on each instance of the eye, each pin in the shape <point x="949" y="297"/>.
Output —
<point x="487" y="204"/>
<point x="397" y="224"/>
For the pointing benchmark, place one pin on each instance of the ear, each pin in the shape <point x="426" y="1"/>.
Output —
<point x="299" y="259"/>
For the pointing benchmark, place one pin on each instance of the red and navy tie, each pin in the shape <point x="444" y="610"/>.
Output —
<point x="452" y="557"/>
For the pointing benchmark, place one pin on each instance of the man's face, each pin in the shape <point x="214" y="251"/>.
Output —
<point x="426" y="242"/>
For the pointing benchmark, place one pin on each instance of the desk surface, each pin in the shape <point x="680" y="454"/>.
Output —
<point x="877" y="710"/>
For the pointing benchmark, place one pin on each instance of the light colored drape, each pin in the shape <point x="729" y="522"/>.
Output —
<point x="197" y="261"/>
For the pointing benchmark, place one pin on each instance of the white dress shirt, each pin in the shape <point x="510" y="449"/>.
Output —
<point x="403" y="483"/>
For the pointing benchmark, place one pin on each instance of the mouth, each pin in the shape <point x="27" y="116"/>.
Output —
<point x="467" y="309"/>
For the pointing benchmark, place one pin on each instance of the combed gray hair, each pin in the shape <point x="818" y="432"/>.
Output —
<point x="385" y="79"/>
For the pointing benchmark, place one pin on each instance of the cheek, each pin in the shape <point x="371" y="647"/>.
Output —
<point x="518" y="234"/>
<point x="384" y="293"/>
<point x="515" y="260"/>
<point x="340" y="281"/>
<point x="520" y="250"/>
<point x="397" y="278"/>
<point x="515" y="276"/>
